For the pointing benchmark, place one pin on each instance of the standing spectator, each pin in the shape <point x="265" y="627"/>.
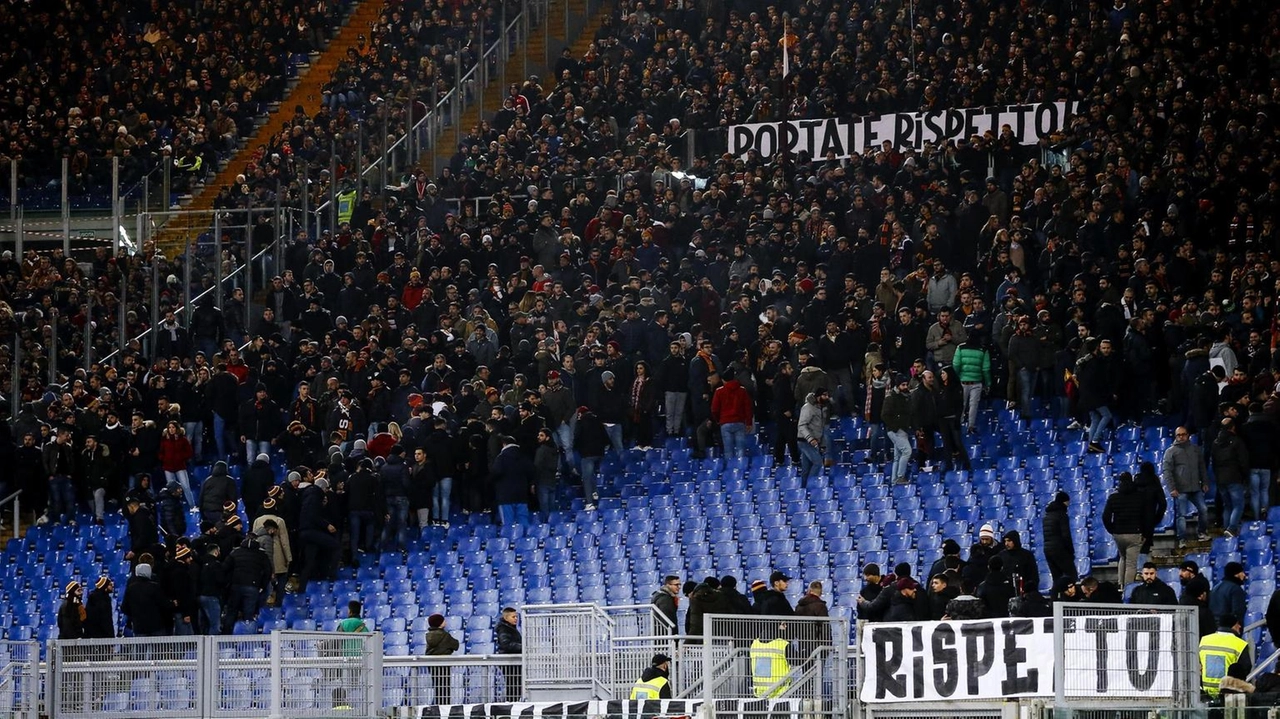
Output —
<point x="1259" y="433"/>
<point x="59" y="467"/>
<point x="1195" y="593"/>
<point x="260" y="421"/>
<point x="149" y="612"/>
<point x="173" y="511"/>
<point x="96" y="468"/>
<point x="557" y="398"/>
<point x="1154" y="502"/>
<point x="772" y="601"/>
<point x="784" y="415"/>
<point x="996" y="591"/>
<point x="281" y="553"/>
<point x="673" y="379"/>
<point x="507" y="637"/>
<point x="1187" y="481"/>
<point x="972" y="363"/>
<point x="591" y="441"/>
<point x="1231" y="468"/>
<point x="667" y="598"/>
<point x="212" y="585"/>
<point x="1099" y="375"/>
<point x="1229" y="598"/>
<point x="611" y="406"/>
<point x="393" y="478"/>
<point x="180" y="585"/>
<point x="258" y="481"/>
<point x="514" y="478"/>
<point x="1019" y="564"/>
<point x="871" y="590"/>
<point x="353" y="623"/>
<point x="143" y="534"/>
<point x="440" y="643"/>
<point x="898" y="424"/>
<point x="640" y="406"/>
<point x="222" y="391"/>
<point x="175" y="452"/>
<point x="319" y="537"/>
<point x="950" y="400"/>
<point x="1059" y="548"/>
<point x="72" y="613"/>
<point x="731" y="409"/>
<point x="546" y="462"/>
<point x="365" y="510"/>
<point x="248" y="574"/>
<point x="217" y="490"/>
<point x="735" y="600"/>
<point x="924" y="413"/>
<point x="812" y="604"/>
<point x="944" y="337"/>
<point x="811" y="432"/>
<point x="1124" y="516"/>
<point x="1152" y="589"/>
<point x="100" y="620"/>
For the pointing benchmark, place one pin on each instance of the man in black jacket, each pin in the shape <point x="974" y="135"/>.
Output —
<point x="209" y="590"/>
<point x="1259" y="433"/>
<point x="1153" y="590"/>
<point x="1195" y="593"/>
<point x="507" y="637"/>
<point x="248" y="572"/>
<point x="260" y="422"/>
<point x="394" y="478"/>
<point x="1059" y="549"/>
<point x="785" y="415"/>
<point x="148" y="610"/>
<point x="100" y="621"/>
<point x="673" y="381"/>
<point x="1123" y="516"/>
<point x="773" y="602"/>
<point x="996" y="590"/>
<point x="365" y="509"/>
<point x="1019" y="563"/>
<point x="736" y="602"/>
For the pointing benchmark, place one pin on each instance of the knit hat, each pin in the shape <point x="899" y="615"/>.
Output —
<point x="987" y="531"/>
<point x="102" y="582"/>
<point x="143" y="571"/>
<point x="435" y="620"/>
<point x="72" y="586"/>
<point x="264" y="457"/>
<point x="907" y="583"/>
<point x="294" y="477"/>
<point x="758" y="585"/>
<point x="234" y="521"/>
<point x="229" y="505"/>
<point x="276" y="490"/>
<point x="606" y="376"/>
<point x="358" y="445"/>
<point x="322" y="483"/>
<point x="1190" y="566"/>
<point x="268" y="503"/>
<point x="1232" y="569"/>
<point x="182" y="553"/>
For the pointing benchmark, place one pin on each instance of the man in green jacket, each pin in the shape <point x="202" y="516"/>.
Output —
<point x="972" y="363"/>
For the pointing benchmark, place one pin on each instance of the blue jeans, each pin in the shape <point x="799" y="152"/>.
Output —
<point x="195" y="433"/>
<point x="547" y="499"/>
<point x="210" y="615"/>
<point x="362" y="525"/>
<point x="1184" y="502"/>
<point x="1259" y="488"/>
<point x="810" y="461"/>
<point x="440" y="496"/>
<point x="1026" y="388"/>
<point x="509" y="514"/>
<point x="181" y="628"/>
<point x="1233" y="506"/>
<point x="397" y="525"/>
<point x="1099" y="420"/>
<point x="590" y="466"/>
<point x="220" y="436"/>
<point x="255" y="447"/>
<point x="242" y="601"/>
<point x="563" y="436"/>
<point x="901" y="453"/>
<point x="734" y="437"/>
<point x="615" y="437"/>
<point x="62" y="499"/>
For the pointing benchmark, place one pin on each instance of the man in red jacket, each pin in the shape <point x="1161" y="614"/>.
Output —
<point x="731" y="409"/>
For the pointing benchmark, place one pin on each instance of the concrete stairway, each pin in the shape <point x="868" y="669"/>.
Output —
<point x="306" y="92"/>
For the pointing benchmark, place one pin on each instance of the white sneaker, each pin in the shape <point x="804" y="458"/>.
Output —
<point x="590" y="507"/>
<point x="1074" y="425"/>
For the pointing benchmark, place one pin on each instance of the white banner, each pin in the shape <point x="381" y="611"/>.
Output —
<point x="903" y="130"/>
<point x="1129" y="655"/>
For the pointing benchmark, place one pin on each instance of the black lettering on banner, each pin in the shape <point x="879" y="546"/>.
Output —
<point x="770" y="133"/>
<point x="888" y="644"/>
<point x="1015" y="656"/>
<point x="832" y="139"/>
<point x="971" y="117"/>
<point x="792" y="135"/>
<point x="933" y="123"/>
<point x="808" y="126"/>
<point x="1141" y="678"/>
<point x="978" y="662"/>
<point x="870" y="137"/>
<point x="994" y="112"/>
<point x="1100" y="627"/>
<point x="743" y="140"/>
<point x="919" y="141"/>
<point x="946" y="673"/>
<point x="903" y="128"/>
<point x="917" y="662"/>
<point x="1046" y="119"/>
<point x="954" y="125"/>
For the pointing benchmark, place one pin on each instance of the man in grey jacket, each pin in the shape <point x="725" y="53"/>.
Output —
<point x="811" y="432"/>
<point x="1187" y="481"/>
<point x="944" y="337"/>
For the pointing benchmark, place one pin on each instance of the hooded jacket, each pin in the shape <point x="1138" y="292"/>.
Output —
<point x="731" y="404"/>
<point x="1123" y="512"/>
<point x="1019" y="563"/>
<point x="1230" y="458"/>
<point x="1183" y="467"/>
<point x="1057" y="530"/>
<point x="809" y="380"/>
<point x="896" y="412"/>
<point x="217" y="490"/>
<point x="814" y="418"/>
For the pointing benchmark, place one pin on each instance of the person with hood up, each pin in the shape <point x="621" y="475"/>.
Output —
<point x="1152" y="589"/>
<point x="217" y="490"/>
<point x="1123" y="518"/>
<point x="731" y="408"/>
<point x="1154" y="502"/>
<point x="898" y="425"/>
<point x="1064" y="591"/>
<point x="772" y="600"/>
<point x="514" y="478"/>
<point x="1059" y="548"/>
<point x="173" y="511"/>
<point x="654" y="682"/>
<point x="996" y="591"/>
<point x="706" y="599"/>
<point x="100" y="619"/>
<point x="1187" y="481"/>
<point x="257" y="481"/>
<point x="1195" y="593"/>
<point x="1019" y="563"/>
<point x="1231" y="469"/>
<point x="811" y="432"/>
<point x="1229" y="598"/>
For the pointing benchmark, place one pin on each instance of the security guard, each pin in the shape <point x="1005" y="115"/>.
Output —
<point x="770" y="669"/>
<point x="654" y="683"/>
<point x="1223" y="653"/>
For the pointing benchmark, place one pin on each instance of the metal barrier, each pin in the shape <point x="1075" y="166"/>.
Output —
<point x="776" y="659"/>
<point x="299" y="675"/>
<point x="567" y="652"/>
<point x="20" y="679"/>
<point x="458" y="679"/>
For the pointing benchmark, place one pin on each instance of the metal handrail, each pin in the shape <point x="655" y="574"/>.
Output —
<point x="17" y="511"/>
<point x="452" y="660"/>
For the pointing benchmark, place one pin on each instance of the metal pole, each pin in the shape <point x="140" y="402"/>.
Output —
<point x="165" y="183"/>
<point x="53" y="347"/>
<point x="66" y="209"/>
<point x="504" y="53"/>
<point x="18" y="233"/>
<point x="88" y="330"/>
<point x="546" y="42"/>
<point x="155" y="301"/>
<point x="13" y="203"/>
<point x="457" y="103"/>
<point x="146" y="191"/>
<point x="386" y="153"/>
<point x="482" y="74"/>
<point x="217" y="258"/>
<point x="333" y="187"/>
<point x="359" y="163"/>
<point x="137" y="228"/>
<point x="408" y="135"/>
<point x="276" y="226"/>
<point x="524" y="55"/>
<point x="15" y="391"/>
<point x="248" y="272"/>
<point x="306" y="197"/>
<point x="115" y="204"/>
<point x="124" y="292"/>
<point x="187" y="294"/>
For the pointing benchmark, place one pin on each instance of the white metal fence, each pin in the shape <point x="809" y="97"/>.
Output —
<point x="19" y="679"/>
<point x="459" y="679"/>
<point x="298" y="675"/>
<point x="567" y="652"/>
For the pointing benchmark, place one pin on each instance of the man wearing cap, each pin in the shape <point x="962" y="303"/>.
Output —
<point x="981" y="552"/>
<point x="898" y="424"/>
<point x="59" y="459"/>
<point x="281" y="554"/>
<point x="100" y="620"/>
<point x="72" y="614"/>
<point x="1195" y="593"/>
<point x="1223" y="654"/>
<point x="180" y="581"/>
<point x="654" y="683"/>
<point x="773" y="601"/>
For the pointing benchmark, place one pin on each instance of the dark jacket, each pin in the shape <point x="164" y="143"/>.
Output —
<point x="508" y="638"/>
<point x="1124" y="512"/>
<point x="666" y="603"/>
<point x="737" y="602"/>
<point x="1228" y="598"/>
<point x="394" y="478"/>
<point x="148" y="609"/>
<point x="704" y="600"/>
<point x="440" y="642"/>
<point x="248" y="566"/>
<point x="591" y="439"/>
<point x="771" y="602"/>
<point x="217" y="490"/>
<point x="1057" y="530"/>
<point x="904" y="609"/>
<point x="995" y="593"/>
<point x="513" y="475"/>
<point x="1019" y="563"/>
<point x="260" y="421"/>
<point x="213" y="578"/>
<point x="811" y="605"/>
<point x="1259" y="434"/>
<point x="896" y="411"/>
<point x="1230" y="458"/>
<point x="1156" y="592"/>
<point x="257" y="482"/>
<point x="70" y="623"/>
<point x="1154" y="501"/>
<point x="99" y="622"/>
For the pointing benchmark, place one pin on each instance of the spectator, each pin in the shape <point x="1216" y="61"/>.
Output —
<point x="812" y="604"/>
<point x="1185" y="476"/>
<point x="811" y="430"/>
<point x="175" y="453"/>
<point x="248" y="575"/>
<point x="772" y="601"/>
<point x="1258" y="432"/>
<point x="440" y="643"/>
<point x="1019" y="563"/>
<point x="731" y="408"/>
<point x="72" y="613"/>
<point x="1151" y="589"/>
<point x="996" y="591"/>
<point x="1195" y="593"/>
<point x="507" y="637"/>
<point x="1154" y="503"/>
<point x="981" y="552"/>
<point x="965" y="605"/>
<point x="907" y="604"/>
<point x="666" y="598"/>
<point x="1059" y="547"/>
<point x="870" y="593"/>
<point x="736" y="602"/>
<point x="280" y="551"/>
<point x="940" y="595"/>
<point x="147" y="610"/>
<point x="218" y="489"/>
<point x="514" y="476"/>
<point x="100" y="621"/>
<point x="898" y="423"/>
<point x="1231" y="469"/>
<point x="591" y="440"/>
<point x="1124" y="517"/>
<point x="972" y="363"/>
<point x="1228" y="598"/>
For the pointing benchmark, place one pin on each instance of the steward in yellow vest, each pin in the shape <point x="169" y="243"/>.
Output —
<point x="1223" y="654"/>
<point x="770" y="669"/>
<point x="654" y="684"/>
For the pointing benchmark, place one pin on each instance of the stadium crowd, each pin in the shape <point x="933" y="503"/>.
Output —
<point x="423" y="358"/>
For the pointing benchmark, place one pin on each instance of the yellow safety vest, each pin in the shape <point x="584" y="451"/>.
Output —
<point x="1218" y="651"/>
<point x="346" y="206"/>
<point x="770" y="668"/>
<point x="651" y="689"/>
